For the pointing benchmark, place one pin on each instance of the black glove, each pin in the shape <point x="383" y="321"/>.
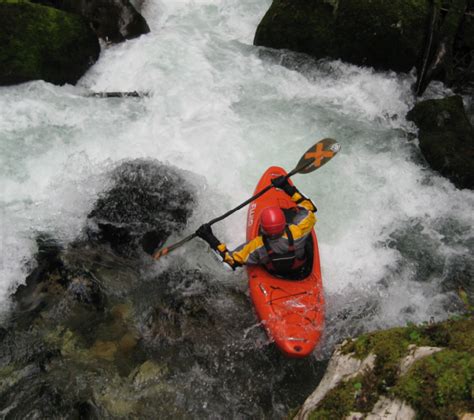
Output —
<point x="205" y="232"/>
<point x="282" y="183"/>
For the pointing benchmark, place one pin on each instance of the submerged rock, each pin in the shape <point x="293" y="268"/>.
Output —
<point x="112" y="20"/>
<point x="170" y="343"/>
<point x="147" y="202"/>
<point x="133" y="94"/>
<point x="54" y="288"/>
<point x="165" y="341"/>
<point x="38" y="42"/>
<point x="446" y="138"/>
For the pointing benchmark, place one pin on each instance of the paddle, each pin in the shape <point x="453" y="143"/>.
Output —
<point x="315" y="157"/>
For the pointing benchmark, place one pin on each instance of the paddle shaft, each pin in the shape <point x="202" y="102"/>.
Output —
<point x="170" y="248"/>
<point x="260" y="193"/>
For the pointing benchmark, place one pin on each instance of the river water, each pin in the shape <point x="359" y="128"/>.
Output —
<point x="394" y="236"/>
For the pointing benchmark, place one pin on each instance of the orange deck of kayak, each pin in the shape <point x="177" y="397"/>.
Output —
<point x="292" y="311"/>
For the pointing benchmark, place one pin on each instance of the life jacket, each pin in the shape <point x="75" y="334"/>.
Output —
<point x="286" y="262"/>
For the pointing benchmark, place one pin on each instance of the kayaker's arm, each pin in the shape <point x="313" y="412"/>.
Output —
<point x="282" y="183"/>
<point x="247" y="253"/>
<point x="250" y="253"/>
<point x="205" y="232"/>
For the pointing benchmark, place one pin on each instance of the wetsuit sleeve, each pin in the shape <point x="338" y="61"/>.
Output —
<point x="302" y="201"/>
<point x="248" y="253"/>
<point x="306" y="219"/>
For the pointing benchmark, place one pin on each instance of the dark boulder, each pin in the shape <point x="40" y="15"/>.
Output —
<point x="38" y="42"/>
<point x="435" y="37"/>
<point x="112" y="20"/>
<point x="446" y="138"/>
<point x="300" y="25"/>
<point x="53" y="283"/>
<point x="449" y="47"/>
<point x="147" y="202"/>
<point x="384" y="35"/>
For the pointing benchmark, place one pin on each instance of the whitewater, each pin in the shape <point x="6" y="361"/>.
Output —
<point x="392" y="233"/>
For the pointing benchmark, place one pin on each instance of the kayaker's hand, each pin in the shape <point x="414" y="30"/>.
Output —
<point x="282" y="183"/>
<point x="205" y="232"/>
<point x="279" y="181"/>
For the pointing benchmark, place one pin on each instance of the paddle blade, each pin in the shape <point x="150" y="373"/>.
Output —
<point x="316" y="156"/>
<point x="158" y="254"/>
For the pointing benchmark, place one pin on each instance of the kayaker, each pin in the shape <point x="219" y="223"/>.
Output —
<point x="280" y="247"/>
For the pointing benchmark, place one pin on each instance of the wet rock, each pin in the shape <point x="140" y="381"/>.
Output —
<point x="55" y="290"/>
<point x="384" y="35"/>
<point x="420" y="253"/>
<point x="459" y="275"/>
<point x="448" y="53"/>
<point x="341" y="368"/>
<point x="183" y="309"/>
<point x="416" y="353"/>
<point x="168" y="344"/>
<point x="112" y="20"/>
<point x="85" y="289"/>
<point x="147" y="202"/>
<point x="104" y="350"/>
<point x="391" y="409"/>
<point x="133" y="94"/>
<point x="435" y="37"/>
<point x="147" y="373"/>
<point x="127" y="343"/>
<point x="406" y="380"/>
<point x="40" y="400"/>
<point x="38" y="42"/>
<point x="446" y="138"/>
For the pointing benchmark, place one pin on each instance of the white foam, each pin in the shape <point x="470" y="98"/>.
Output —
<point x="219" y="109"/>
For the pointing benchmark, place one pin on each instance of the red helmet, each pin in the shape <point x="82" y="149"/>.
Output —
<point x="272" y="221"/>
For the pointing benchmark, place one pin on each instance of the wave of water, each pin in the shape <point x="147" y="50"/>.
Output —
<point x="226" y="110"/>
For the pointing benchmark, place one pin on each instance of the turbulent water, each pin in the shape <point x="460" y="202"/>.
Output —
<point x="395" y="238"/>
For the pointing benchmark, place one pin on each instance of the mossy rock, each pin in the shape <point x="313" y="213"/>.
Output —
<point x="446" y="138"/>
<point x="438" y="386"/>
<point x="299" y="25"/>
<point x="377" y="33"/>
<point x="38" y="42"/>
<point x="382" y="34"/>
<point x="112" y="20"/>
<point x="148" y="373"/>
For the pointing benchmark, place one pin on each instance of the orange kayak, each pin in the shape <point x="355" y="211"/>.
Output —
<point x="291" y="310"/>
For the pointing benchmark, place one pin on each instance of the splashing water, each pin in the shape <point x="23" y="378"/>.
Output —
<point x="392" y="233"/>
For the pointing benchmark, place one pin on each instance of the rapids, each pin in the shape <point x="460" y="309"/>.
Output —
<point x="395" y="238"/>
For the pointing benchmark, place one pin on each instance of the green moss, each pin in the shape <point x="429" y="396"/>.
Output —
<point x="440" y="385"/>
<point x="356" y="395"/>
<point x="338" y="402"/>
<point x="38" y="42"/>
<point x="391" y="344"/>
